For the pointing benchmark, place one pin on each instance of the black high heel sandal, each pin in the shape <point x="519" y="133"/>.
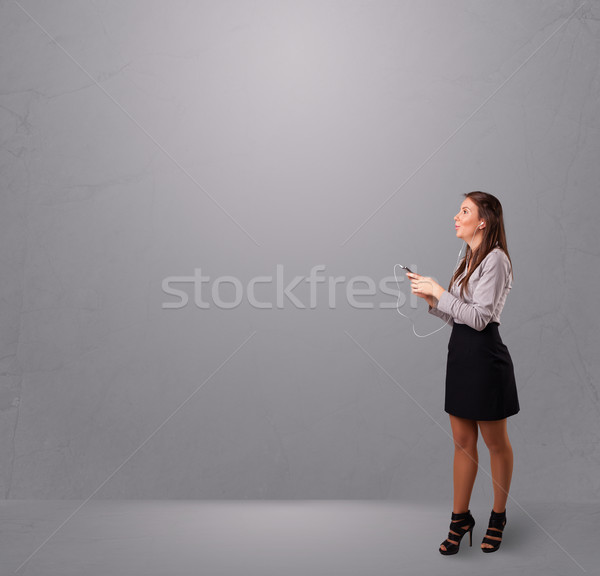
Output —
<point x="495" y="528"/>
<point x="459" y="526"/>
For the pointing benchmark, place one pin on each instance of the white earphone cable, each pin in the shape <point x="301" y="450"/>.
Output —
<point x="398" y="301"/>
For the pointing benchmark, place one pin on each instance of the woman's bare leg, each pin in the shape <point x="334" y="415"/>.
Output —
<point x="496" y="439"/>
<point x="466" y="461"/>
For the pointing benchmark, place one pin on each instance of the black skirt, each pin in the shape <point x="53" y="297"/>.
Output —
<point x="480" y="378"/>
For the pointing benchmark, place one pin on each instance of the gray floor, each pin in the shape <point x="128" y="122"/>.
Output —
<point x="308" y="537"/>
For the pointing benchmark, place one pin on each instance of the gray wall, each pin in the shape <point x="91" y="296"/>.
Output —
<point x="144" y="140"/>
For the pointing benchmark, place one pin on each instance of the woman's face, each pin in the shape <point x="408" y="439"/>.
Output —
<point x="467" y="220"/>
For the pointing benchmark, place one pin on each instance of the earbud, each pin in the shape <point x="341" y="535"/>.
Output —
<point x="481" y="224"/>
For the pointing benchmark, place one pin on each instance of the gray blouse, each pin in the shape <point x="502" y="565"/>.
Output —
<point x="484" y="296"/>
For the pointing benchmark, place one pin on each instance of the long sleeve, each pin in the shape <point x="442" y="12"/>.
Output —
<point x="488" y="291"/>
<point x="445" y="317"/>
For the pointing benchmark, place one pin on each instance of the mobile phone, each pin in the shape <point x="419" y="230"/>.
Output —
<point x="406" y="268"/>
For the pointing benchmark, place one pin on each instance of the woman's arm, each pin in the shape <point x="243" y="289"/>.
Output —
<point x="429" y="290"/>
<point x="433" y="302"/>
<point x="495" y="273"/>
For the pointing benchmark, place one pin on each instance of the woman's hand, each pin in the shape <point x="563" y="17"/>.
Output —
<point x="425" y="287"/>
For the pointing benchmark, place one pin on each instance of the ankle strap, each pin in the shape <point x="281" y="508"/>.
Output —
<point x="461" y="515"/>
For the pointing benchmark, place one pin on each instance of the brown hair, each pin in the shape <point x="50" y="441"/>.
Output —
<point x="494" y="236"/>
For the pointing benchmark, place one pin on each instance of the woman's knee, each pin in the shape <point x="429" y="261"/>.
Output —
<point x="498" y="445"/>
<point x="495" y="436"/>
<point x="466" y="441"/>
<point x="464" y="433"/>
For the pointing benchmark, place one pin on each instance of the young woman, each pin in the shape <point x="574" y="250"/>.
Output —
<point x="480" y="381"/>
